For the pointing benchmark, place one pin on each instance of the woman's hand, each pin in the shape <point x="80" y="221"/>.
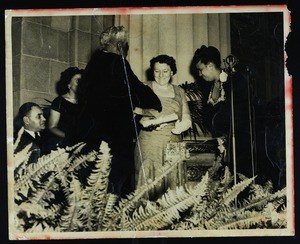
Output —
<point x="181" y="126"/>
<point x="161" y="126"/>
<point x="152" y="123"/>
<point x="147" y="121"/>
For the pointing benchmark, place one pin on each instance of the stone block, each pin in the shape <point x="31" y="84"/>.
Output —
<point x="55" y="69"/>
<point x="94" y="42"/>
<point x="84" y="23"/>
<point x="61" y="23"/>
<point x="46" y="20"/>
<point x="16" y="19"/>
<point x="35" y="96"/>
<point x="84" y="46"/>
<point x="63" y="46"/>
<point x="72" y="43"/>
<point x="108" y="20"/>
<point x="40" y="41"/>
<point x="35" y="73"/>
<point x="51" y="43"/>
<point x="33" y="19"/>
<point x="80" y="65"/>
<point x="16" y="102"/>
<point x="97" y="24"/>
<point x="16" y="37"/>
<point x="16" y="72"/>
<point x="74" y="20"/>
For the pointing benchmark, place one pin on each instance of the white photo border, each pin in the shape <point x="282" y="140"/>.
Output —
<point x="13" y="235"/>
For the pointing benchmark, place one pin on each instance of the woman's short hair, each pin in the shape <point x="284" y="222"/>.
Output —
<point x="164" y="59"/>
<point x="65" y="79"/>
<point x="207" y="54"/>
<point x="113" y="35"/>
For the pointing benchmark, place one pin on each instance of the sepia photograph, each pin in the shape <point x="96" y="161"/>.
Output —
<point x="149" y="122"/>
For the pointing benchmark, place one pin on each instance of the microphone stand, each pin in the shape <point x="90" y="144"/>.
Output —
<point x="251" y="125"/>
<point x="126" y="81"/>
<point x="233" y="130"/>
<point x="229" y="63"/>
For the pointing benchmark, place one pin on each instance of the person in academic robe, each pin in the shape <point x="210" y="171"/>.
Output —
<point x="108" y="93"/>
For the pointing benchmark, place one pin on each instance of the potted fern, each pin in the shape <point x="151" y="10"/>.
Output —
<point x="50" y="196"/>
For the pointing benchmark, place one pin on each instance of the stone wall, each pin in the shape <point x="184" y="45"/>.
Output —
<point x="43" y="47"/>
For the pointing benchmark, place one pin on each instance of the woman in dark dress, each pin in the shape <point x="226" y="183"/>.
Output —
<point x="64" y="110"/>
<point x="217" y="115"/>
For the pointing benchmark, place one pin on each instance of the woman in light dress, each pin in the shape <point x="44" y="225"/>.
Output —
<point x="160" y="128"/>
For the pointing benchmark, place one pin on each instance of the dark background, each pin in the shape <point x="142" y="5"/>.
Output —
<point x="292" y="65"/>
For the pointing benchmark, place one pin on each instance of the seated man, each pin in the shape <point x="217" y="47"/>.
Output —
<point x="30" y="118"/>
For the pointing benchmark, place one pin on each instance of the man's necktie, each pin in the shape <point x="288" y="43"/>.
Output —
<point x="37" y="137"/>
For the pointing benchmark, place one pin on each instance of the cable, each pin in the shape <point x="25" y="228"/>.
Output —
<point x="134" y="122"/>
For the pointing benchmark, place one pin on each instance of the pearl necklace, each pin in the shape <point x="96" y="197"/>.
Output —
<point x="71" y="100"/>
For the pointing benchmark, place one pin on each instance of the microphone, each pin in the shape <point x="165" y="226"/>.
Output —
<point x="230" y="62"/>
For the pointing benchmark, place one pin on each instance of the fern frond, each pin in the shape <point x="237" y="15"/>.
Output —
<point x="76" y="149"/>
<point x="132" y="199"/>
<point x="30" y="209"/>
<point x="201" y="188"/>
<point x="194" y="97"/>
<point x="209" y="201"/>
<point x="170" y="206"/>
<point x="18" y="139"/>
<point x="273" y="206"/>
<point x="41" y="226"/>
<point x="255" y="219"/>
<point x="86" y="206"/>
<point x="76" y="163"/>
<point x="30" y="214"/>
<point x="227" y="177"/>
<point x="259" y="202"/>
<point x="79" y="160"/>
<point x="21" y="157"/>
<point x="103" y="166"/>
<point x="151" y="218"/>
<point x="192" y="91"/>
<point x="97" y="188"/>
<point x="70" y="220"/>
<point x="44" y="165"/>
<point x="220" y="202"/>
<point x="43" y="195"/>
<point x="231" y="194"/>
<point x="105" y="221"/>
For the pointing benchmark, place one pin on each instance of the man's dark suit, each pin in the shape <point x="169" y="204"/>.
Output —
<point x="36" y="148"/>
